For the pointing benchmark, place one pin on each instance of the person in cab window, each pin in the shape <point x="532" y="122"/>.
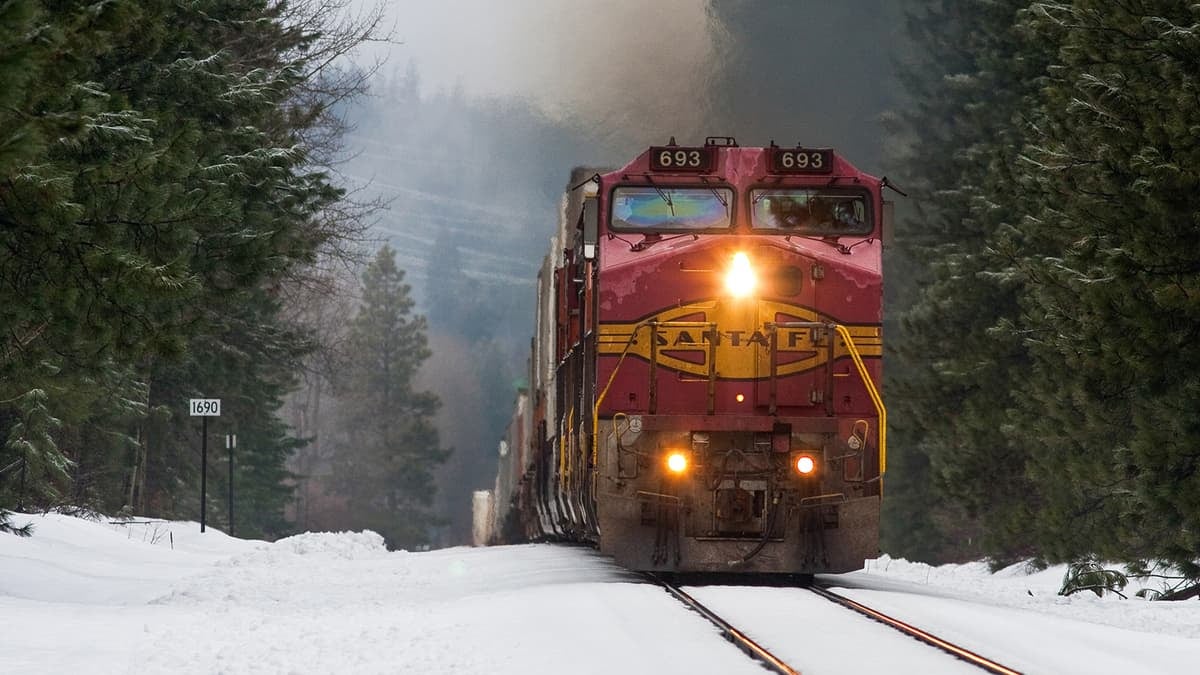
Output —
<point x="822" y="214"/>
<point x="845" y="215"/>
<point x="788" y="212"/>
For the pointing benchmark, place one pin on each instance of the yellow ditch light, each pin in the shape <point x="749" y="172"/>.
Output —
<point x="677" y="462"/>
<point x="805" y="465"/>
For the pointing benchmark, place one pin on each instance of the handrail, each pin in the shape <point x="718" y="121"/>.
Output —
<point x="604" y="392"/>
<point x="568" y="437"/>
<point x="562" y="454"/>
<point x="652" y="405"/>
<point x="654" y="325"/>
<point x="773" y="387"/>
<point x="873" y="392"/>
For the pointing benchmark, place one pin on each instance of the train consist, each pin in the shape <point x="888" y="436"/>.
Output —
<point x="703" y="376"/>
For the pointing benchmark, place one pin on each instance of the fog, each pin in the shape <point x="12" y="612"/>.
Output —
<point x="637" y="67"/>
<point x="480" y="110"/>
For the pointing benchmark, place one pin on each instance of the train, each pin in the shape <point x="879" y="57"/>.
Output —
<point x="704" y="372"/>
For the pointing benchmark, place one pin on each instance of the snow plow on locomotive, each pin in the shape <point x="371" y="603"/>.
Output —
<point x="702" y="392"/>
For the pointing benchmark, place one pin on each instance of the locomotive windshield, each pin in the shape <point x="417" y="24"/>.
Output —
<point x="809" y="211"/>
<point x="664" y="208"/>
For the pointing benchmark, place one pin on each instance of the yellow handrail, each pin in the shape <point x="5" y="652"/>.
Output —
<point x="604" y="392"/>
<point x="570" y="436"/>
<point x="874" y="393"/>
<point x="562" y="453"/>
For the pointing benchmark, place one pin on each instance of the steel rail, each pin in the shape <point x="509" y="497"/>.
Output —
<point x="737" y="637"/>
<point x="914" y="632"/>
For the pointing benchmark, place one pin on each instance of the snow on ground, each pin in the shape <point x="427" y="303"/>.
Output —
<point x="94" y="598"/>
<point x="159" y="597"/>
<point x="1023" y="587"/>
<point x="1017" y="617"/>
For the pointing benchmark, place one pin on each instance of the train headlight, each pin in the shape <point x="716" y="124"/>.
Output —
<point x="740" y="280"/>
<point x="677" y="462"/>
<point x="805" y="465"/>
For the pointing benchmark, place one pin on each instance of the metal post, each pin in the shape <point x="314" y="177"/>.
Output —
<point x="712" y="367"/>
<point x="653" y="407"/>
<point x="773" y="383"/>
<point x="203" y="471"/>
<point x="831" y="334"/>
<point x="230" y="444"/>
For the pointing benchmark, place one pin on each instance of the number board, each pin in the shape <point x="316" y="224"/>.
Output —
<point x="675" y="158"/>
<point x="204" y="407"/>
<point x="801" y="160"/>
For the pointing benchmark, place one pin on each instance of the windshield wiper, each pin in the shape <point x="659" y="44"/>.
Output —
<point x="716" y="194"/>
<point x="724" y="202"/>
<point x="653" y="238"/>
<point x="831" y="240"/>
<point x="665" y="197"/>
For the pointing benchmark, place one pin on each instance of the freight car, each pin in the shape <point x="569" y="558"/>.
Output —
<point x="703" y="379"/>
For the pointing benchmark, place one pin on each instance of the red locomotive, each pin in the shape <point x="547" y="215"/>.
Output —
<point x="703" y="377"/>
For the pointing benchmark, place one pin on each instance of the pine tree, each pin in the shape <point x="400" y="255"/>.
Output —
<point x="974" y="77"/>
<point x="1113" y="309"/>
<point x="388" y="445"/>
<point x="1065" y="270"/>
<point x="159" y="182"/>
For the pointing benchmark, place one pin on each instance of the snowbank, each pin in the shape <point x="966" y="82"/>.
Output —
<point x="155" y="596"/>
<point x="1025" y="587"/>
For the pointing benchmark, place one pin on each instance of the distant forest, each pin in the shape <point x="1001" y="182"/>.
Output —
<point x="193" y="200"/>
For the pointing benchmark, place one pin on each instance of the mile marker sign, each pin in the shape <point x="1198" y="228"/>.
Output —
<point x="205" y="407"/>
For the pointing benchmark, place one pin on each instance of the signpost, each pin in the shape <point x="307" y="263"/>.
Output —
<point x="230" y="444"/>
<point x="204" y="408"/>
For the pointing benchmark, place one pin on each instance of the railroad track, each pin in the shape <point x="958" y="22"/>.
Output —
<point x="777" y="665"/>
<point x="737" y="637"/>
